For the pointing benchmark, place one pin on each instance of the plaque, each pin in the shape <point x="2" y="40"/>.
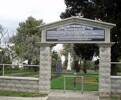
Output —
<point x="75" y="32"/>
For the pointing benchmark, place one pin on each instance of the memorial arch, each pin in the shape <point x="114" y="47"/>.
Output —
<point x="77" y="30"/>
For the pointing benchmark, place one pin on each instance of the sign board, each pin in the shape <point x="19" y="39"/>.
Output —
<point x="75" y="32"/>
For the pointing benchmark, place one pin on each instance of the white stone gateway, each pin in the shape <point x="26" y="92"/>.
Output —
<point x="77" y="30"/>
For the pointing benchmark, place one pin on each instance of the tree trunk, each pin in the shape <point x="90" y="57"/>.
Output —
<point x="84" y="66"/>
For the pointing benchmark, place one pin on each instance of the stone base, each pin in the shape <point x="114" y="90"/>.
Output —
<point x="44" y="92"/>
<point x="104" y="98"/>
<point x="104" y="94"/>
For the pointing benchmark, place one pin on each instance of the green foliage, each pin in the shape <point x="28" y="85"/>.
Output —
<point x="4" y="52"/>
<point x="90" y="83"/>
<point x="29" y="27"/>
<point x="55" y="59"/>
<point x="73" y="9"/>
<point x="66" y="48"/>
<point x="1" y="32"/>
<point x="106" y="10"/>
<point x="1" y="29"/>
<point x="4" y="56"/>
<point x="21" y="94"/>
<point x="85" y="51"/>
<point x="28" y="34"/>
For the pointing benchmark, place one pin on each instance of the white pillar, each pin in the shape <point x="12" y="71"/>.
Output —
<point x="105" y="70"/>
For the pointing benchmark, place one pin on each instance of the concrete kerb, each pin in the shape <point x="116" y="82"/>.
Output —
<point x="22" y="98"/>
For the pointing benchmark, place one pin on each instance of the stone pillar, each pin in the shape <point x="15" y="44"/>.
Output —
<point x="104" y="71"/>
<point x="45" y="69"/>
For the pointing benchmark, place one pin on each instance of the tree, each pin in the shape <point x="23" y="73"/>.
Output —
<point x="4" y="51"/>
<point x="28" y="34"/>
<point x="105" y="10"/>
<point x="55" y="59"/>
<point x="4" y="56"/>
<point x="3" y="32"/>
<point x="85" y="52"/>
<point x="1" y="29"/>
<point x="68" y="49"/>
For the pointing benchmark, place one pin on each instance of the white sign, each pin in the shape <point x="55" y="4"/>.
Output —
<point x="75" y="32"/>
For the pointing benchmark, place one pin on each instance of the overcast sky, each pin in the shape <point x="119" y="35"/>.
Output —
<point x="14" y="11"/>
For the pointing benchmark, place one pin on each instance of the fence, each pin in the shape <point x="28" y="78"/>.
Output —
<point x="116" y="80"/>
<point x="75" y="77"/>
<point x="70" y="81"/>
<point x="89" y="82"/>
<point x="19" y="77"/>
<point x="19" y="70"/>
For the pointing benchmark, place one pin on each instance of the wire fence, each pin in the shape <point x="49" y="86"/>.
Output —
<point x="75" y="81"/>
<point x="58" y="78"/>
<point x="90" y="79"/>
<point x="19" y="70"/>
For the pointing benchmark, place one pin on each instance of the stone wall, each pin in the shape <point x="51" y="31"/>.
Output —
<point x="116" y="84"/>
<point x="21" y="84"/>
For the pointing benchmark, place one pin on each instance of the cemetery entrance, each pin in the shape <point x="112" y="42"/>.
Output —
<point x="73" y="72"/>
<point x="82" y="31"/>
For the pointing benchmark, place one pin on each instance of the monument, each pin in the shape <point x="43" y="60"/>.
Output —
<point x="77" y="30"/>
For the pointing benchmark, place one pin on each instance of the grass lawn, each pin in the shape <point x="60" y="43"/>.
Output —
<point x="90" y="82"/>
<point x="20" y="94"/>
<point x="20" y="72"/>
<point x="116" y="97"/>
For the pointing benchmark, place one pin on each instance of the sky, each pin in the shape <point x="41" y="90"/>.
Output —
<point x="14" y="11"/>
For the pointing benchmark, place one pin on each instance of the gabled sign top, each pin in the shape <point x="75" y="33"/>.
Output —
<point x="79" y="20"/>
<point x="76" y="30"/>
